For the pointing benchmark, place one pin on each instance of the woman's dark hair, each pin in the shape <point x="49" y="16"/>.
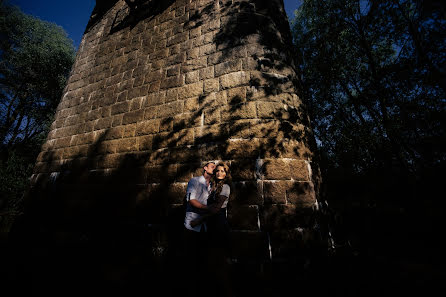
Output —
<point x="217" y="185"/>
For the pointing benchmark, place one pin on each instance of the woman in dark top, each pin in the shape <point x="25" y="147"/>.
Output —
<point x="216" y="216"/>
<point x="218" y="230"/>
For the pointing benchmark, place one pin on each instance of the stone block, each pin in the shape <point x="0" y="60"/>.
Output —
<point x="148" y="127"/>
<point x="207" y="49"/>
<point x="274" y="192"/>
<point x="178" y="38"/>
<point x="276" y="169"/>
<point x="44" y="156"/>
<point x="120" y="107"/>
<point x="211" y="85"/>
<point x="191" y="104"/>
<point x="195" y="32"/>
<point x="86" y="138"/>
<point x="186" y="120"/>
<point x="176" y="193"/>
<point x="243" y="170"/>
<point x="73" y="120"/>
<point x="161" y="173"/>
<point x="287" y="217"/>
<point x="154" y="76"/>
<point x="166" y="124"/>
<point x="207" y="73"/>
<point x="242" y="149"/>
<point x="138" y="92"/>
<point x="192" y="77"/>
<point x="171" y="95"/>
<point x="236" y="51"/>
<point x="194" y="64"/>
<point x="126" y="145"/>
<point x="41" y="167"/>
<point x="114" y="133"/>
<point x="191" y="90"/>
<point x="211" y="133"/>
<point x="56" y="166"/>
<point x="176" y="49"/>
<point x="240" y="111"/>
<point x="122" y="96"/>
<point x="170" y="109"/>
<point x="105" y="111"/>
<point x="215" y="58"/>
<point x="183" y="137"/>
<point x="157" y="65"/>
<point x="173" y="71"/>
<point x="159" y="54"/>
<point x="161" y="141"/>
<point x="241" y="129"/>
<point x="204" y="39"/>
<point x="155" y="99"/>
<point x="228" y="67"/>
<point x="211" y="116"/>
<point x="285" y="149"/>
<point x="74" y="152"/>
<point x="145" y="143"/>
<point x="157" y="156"/>
<point x="210" y="151"/>
<point x="209" y="100"/>
<point x="243" y="217"/>
<point x="108" y="161"/>
<point x="250" y="63"/>
<point x="186" y="171"/>
<point x="185" y="155"/>
<point x="301" y="194"/>
<point x="300" y="170"/>
<point x="211" y="25"/>
<point x="150" y="112"/>
<point x="237" y="95"/>
<point x="234" y="79"/>
<point x="193" y="53"/>
<point x="106" y="147"/>
<point x="95" y="114"/>
<point x="176" y="59"/>
<point x="246" y="193"/>
<point x="133" y="117"/>
<point x="280" y="217"/>
<point x="138" y="81"/>
<point x="62" y="142"/>
<point x="265" y="129"/>
<point x="267" y="109"/>
<point x="172" y="82"/>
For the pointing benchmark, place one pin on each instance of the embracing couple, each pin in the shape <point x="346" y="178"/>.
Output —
<point x="207" y="229"/>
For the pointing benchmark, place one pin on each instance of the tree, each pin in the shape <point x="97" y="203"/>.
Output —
<point x="35" y="60"/>
<point x="373" y="76"/>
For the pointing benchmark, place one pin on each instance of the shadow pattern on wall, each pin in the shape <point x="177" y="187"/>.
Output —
<point x="128" y="207"/>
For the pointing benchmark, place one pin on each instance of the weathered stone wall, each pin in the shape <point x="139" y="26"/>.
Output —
<point x="157" y="91"/>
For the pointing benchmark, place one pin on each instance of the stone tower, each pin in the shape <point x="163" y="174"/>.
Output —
<point x="159" y="88"/>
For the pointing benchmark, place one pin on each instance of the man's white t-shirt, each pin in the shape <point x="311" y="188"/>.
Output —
<point x="199" y="190"/>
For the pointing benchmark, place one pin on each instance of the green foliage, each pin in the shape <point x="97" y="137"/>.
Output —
<point x="373" y="74"/>
<point x="14" y="176"/>
<point x="374" y="78"/>
<point x="35" y="60"/>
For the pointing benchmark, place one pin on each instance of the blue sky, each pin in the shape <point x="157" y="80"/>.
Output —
<point x="73" y="15"/>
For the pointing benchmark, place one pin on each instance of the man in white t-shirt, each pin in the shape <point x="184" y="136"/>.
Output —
<point x="197" y="193"/>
